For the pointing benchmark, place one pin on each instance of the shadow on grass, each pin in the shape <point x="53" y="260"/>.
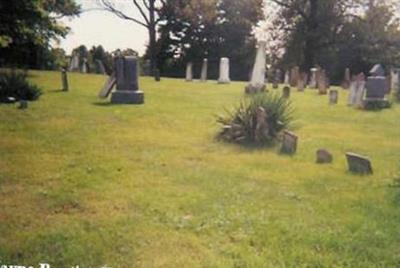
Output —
<point x="103" y="104"/>
<point x="56" y="91"/>
<point x="248" y="146"/>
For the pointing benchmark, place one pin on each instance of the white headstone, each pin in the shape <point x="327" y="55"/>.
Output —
<point x="224" y="71"/>
<point x="287" y="78"/>
<point x="204" y="68"/>
<point x="313" y="80"/>
<point x="84" y="66"/>
<point x="258" y="76"/>
<point x="357" y="88"/>
<point x="189" y="72"/>
<point x="74" y="63"/>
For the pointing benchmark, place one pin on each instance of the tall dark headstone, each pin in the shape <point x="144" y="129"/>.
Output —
<point x="64" y="79"/>
<point x="376" y="88"/>
<point x="127" y="82"/>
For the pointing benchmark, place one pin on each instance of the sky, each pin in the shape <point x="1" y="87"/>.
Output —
<point x="103" y="28"/>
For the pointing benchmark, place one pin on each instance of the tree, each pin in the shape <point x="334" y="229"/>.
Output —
<point x="27" y="27"/>
<point x="149" y="18"/>
<point x="197" y="29"/>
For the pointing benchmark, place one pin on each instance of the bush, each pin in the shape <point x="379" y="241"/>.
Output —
<point x="14" y="84"/>
<point x="258" y="119"/>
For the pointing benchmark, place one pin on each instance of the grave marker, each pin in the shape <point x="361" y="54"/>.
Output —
<point x="289" y="143"/>
<point x="257" y="82"/>
<point x="224" y="71"/>
<point x="358" y="164"/>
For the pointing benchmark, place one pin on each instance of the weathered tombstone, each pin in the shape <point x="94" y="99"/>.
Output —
<point x="322" y="83"/>
<point x="313" y="79"/>
<point x="300" y="84"/>
<point x="359" y="164"/>
<point x="23" y="104"/>
<point x="287" y="78"/>
<point x="157" y="75"/>
<point x="108" y="86"/>
<point x="100" y="69"/>
<point x="357" y="87"/>
<point x="204" y="70"/>
<point x="333" y="96"/>
<point x="289" y="143"/>
<point x="64" y="79"/>
<point x="262" y="129"/>
<point x="127" y="92"/>
<point x="84" y="66"/>
<point x="294" y="76"/>
<point x="324" y="157"/>
<point x="277" y="79"/>
<point x="74" y="63"/>
<point x="224" y="71"/>
<point x="257" y="82"/>
<point x="189" y="72"/>
<point x="286" y="92"/>
<point x="376" y="87"/>
<point x="347" y="79"/>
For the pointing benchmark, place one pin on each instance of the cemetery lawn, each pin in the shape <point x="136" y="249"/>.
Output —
<point x="86" y="183"/>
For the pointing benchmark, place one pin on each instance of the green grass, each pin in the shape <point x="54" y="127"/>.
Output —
<point x="86" y="183"/>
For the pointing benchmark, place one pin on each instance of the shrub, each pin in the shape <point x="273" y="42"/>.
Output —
<point x="258" y="119"/>
<point x="15" y="84"/>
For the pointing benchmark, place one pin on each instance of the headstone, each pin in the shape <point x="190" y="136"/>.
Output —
<point x="333" y="96"/>
<point x="322" y="83"/>
<point x="300" y="84"/>
<point x="23" y="104"/>
<point x="294" y="76"/>
<point x="347" y="79"/>
<point x="262" y="129"/>
<point x="257" y="82"/>
<point x="108" y="86"/>
<point x="189" y="72"/>
<point x="204" y="70"/>
<point x="289" y="143"/>
<point x="324" y="157"/>
<point x="286" y="92"/>
<point x="277" y="79"/>
<point x="64" y="79"/>
<point x="157" y="75"/>
<point x="376" y="87"/>
<point x="74" y="63"/>
<point x="84" y="66"/>
<point x="224" y="71"/>
<point x="358" y="164"/>
<point x="357" y="88"/>
<point x="127" y="92"/>
<point x="313" y="79"/>
<point x="287" y="78"/>
<point x="100" y="69"/>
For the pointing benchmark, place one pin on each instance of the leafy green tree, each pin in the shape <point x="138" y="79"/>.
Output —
<point x="27" y="27"/>
<point x="197" y="29"/>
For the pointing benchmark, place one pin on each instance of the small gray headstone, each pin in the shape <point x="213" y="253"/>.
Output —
<point x="358" y="164"/>
<point x="333" y="96"/>
<point x="286" y="92"/>
<point x="324" y="157"/>
<point x="289" y="143"/>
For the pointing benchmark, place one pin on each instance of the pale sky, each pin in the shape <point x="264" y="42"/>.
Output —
<point x="103" y="28"/>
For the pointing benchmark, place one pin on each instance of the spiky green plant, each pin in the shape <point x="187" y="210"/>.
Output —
<point x="243" y="125"/>
<point x="14" y="84"/>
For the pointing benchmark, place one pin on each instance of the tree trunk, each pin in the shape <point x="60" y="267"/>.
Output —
<point x="152" y="38"/>
<point x="310" y="42"/>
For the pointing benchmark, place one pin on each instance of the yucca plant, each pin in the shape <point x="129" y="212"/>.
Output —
<point x="258" y="119"/>
<point x="14" y="84"/>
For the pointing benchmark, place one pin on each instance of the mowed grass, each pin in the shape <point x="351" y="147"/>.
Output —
<point x="86" y="183"/>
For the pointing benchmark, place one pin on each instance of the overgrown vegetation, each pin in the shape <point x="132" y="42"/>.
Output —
<point x="14" y="84"/>
<point x="258" y="119"/>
